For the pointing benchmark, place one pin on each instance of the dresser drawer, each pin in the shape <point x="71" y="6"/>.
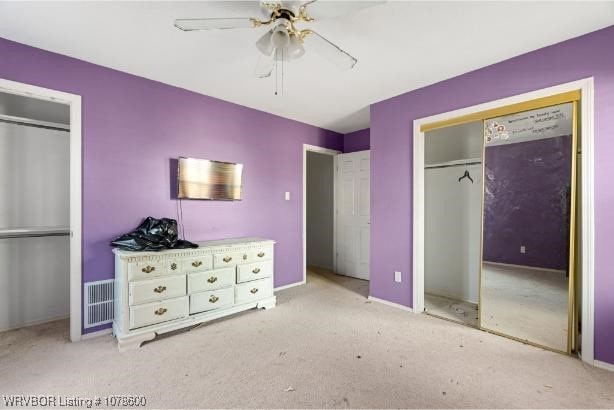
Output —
<point x="251" y="291"/>
<point x="253" y="271"/>
<point x="260" y="254"/>
<point x="197" y="264"/>
<point x="166" y="287"/>
<point x="145" y="269"/>
<point x="172" y="266"/>
<point x="214" y="299"/>
<point x="152" y="313"/>
<point x="221" y="260"/>
<point x="214" y="279"/>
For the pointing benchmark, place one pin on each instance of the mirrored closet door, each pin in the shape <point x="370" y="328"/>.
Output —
<point x="527" y="275"/>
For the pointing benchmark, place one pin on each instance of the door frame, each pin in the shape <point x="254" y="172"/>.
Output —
<point x="586" y="87"/>
<point x="74" y="102"/>
<point x="333" y="153"/>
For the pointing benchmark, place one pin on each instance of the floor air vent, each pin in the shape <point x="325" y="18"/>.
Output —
<point x="98" y="303"/>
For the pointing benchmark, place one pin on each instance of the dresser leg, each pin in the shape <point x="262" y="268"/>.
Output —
<point x="268" y="303"/>
<point x="125" y="343"/>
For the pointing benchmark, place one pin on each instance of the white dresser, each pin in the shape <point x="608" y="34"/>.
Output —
<point x="159" y="292"/>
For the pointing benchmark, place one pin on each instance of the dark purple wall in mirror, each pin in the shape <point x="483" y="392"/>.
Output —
<point x="526" y="203"/>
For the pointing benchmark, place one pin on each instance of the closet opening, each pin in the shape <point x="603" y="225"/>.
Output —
<point x="40" y="209"/>
<point x="452" y="203"/>
<point x="503" y="206"/>
<point x="34" y="211"/>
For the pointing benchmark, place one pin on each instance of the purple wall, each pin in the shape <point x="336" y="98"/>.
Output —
<point x="391" y="159"/>
<point x="357" y="141"/>
<point x="133" y="127"/>
<point x="526" y="203"/>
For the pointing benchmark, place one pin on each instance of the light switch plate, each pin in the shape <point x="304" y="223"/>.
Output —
<point x="523" y="249"/>
<point x="397" y="276"/>
<point x="287" y="196"/>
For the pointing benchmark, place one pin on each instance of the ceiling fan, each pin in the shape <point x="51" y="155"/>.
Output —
<point x="284" y="41"/>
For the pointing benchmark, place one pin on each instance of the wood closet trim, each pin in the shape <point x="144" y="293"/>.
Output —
<point x="505" y="110"/>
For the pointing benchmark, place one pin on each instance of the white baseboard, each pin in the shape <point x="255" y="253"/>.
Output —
<point x="604" y="365"/>
<point x="290" y="285"/>
<point x="96" y="334"/>
<point x="395" y="305"/>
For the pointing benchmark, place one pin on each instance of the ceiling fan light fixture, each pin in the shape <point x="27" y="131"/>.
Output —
<point x="264" y="43"/>
<point x="295" y="48"/>
<point x="280" y="37"/>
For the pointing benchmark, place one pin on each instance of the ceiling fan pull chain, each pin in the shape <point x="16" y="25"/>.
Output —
<point x="276" y="71"/>
<point x="282" y="72"/>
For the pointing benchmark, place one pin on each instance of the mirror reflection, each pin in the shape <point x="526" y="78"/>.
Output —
<point x="527" y="198"/>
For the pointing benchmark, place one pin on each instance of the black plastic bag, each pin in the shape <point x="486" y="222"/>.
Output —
<point x="152" y="235"/>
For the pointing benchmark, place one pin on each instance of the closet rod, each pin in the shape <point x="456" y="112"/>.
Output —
<point x="464" y="164"/>
<point x="33" y="233"/>
<point x="9" y="119"/>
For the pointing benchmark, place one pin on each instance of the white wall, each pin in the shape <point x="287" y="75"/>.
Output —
<point x="453" y="213"/>
<point x="454" y="143"/>
<point x="452" y="232"/>
<point x="320" y="210"/>
<point x="34" y="109"/>
<point x="34" y="177"/>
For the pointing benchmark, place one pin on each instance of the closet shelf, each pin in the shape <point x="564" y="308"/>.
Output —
<point x="467" y="161"/>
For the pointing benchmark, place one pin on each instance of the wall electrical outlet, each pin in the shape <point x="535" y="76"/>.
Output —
<point x="397" y="276"/>
<point x="523" y="249"/>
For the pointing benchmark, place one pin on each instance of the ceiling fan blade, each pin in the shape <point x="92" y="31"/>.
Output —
<point x="265" y="65"/>
<point x="213" y="23"/>
<point x="320" y="10"/>
<point x="330" y="51"/>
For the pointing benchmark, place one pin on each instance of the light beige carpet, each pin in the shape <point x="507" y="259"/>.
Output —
<point x="325" y="343"/>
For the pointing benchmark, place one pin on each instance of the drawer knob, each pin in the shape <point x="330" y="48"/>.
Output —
<point x="227" y="259"/>
<point x="160" y="311"/>
<point x="173" y="266"/>
<point x="213" y="299"/>
<point x="260" y="254"/>
<point x="244" y="257"/>
<point x="160" y="289"/>
<point x="212" y="279"/>
<point x="254" y="290"/>
<point x="257" y="270"/>
<point x="196" y="264"/>
<point x="148" y="269"/>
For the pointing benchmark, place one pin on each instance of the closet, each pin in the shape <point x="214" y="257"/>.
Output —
<point x="34" y="211"/>
<point x="453" y="194"/>
<point x="500" y="202"/>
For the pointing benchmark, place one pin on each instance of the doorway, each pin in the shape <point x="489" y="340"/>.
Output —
<point x="40" y="210"/>
<point x="320" y="211"/>
<point x="336" y="216"/>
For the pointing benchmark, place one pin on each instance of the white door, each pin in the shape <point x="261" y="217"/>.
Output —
<point x="353" y="186"/>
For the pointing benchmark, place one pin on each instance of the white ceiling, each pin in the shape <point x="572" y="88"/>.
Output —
<point x="400" y="46"/>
